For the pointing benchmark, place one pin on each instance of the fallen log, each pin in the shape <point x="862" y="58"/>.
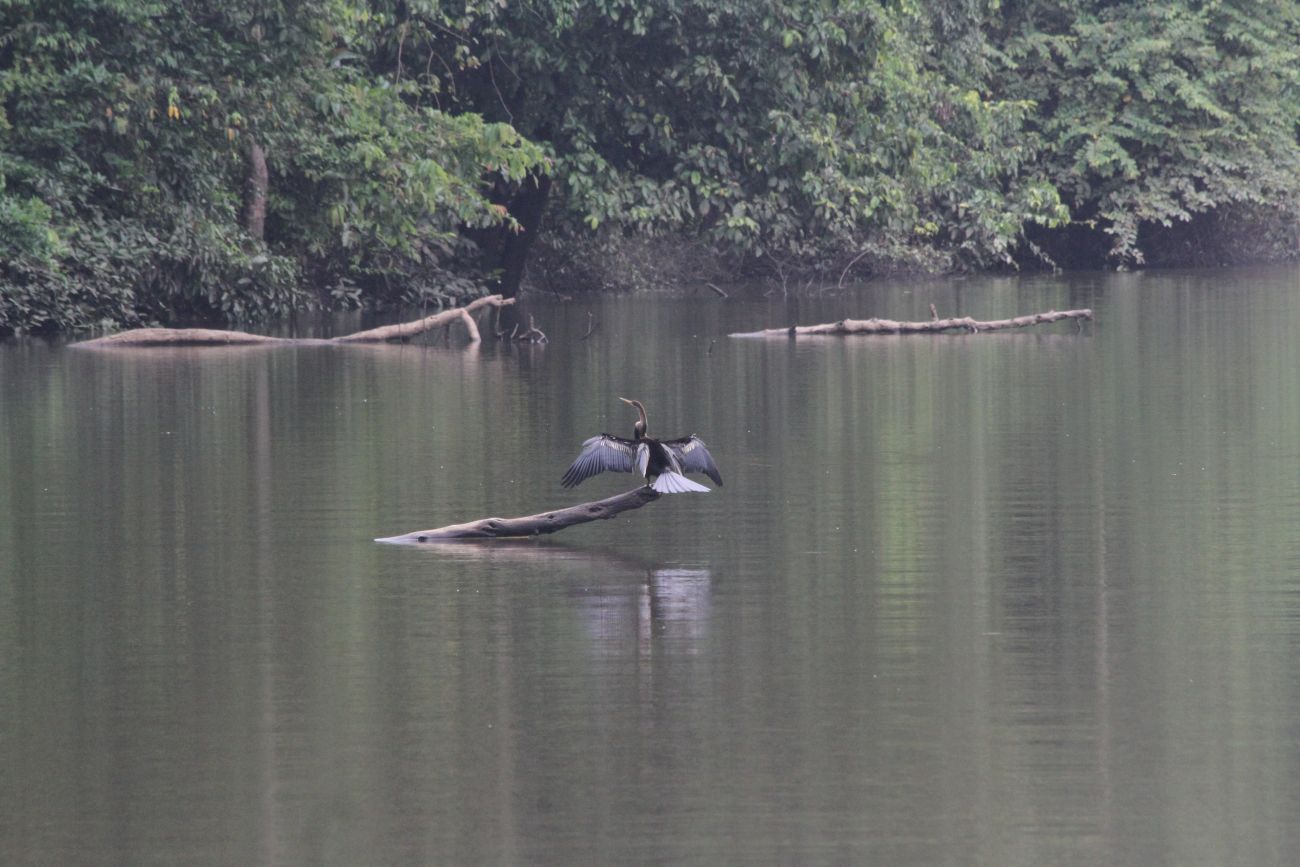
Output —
<point x="407" y="330"/>
<point x="933" y="326"/>
<point x="533" y="525"/>
<point x="216" y="337"/>
<point x="182" y="337"/>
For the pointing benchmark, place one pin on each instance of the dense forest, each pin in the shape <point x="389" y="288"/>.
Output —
<point x="163" y="160"/>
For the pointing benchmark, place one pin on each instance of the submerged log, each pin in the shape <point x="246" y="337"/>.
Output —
<point x="933" y="326"/>
<point x="216" y="337"/>
<point x="181" y="337"/>
<point x="534" y="525"/>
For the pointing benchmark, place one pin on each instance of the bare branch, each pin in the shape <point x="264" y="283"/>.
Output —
<point x="840" y="283"/>
<point x="406" y="330"/>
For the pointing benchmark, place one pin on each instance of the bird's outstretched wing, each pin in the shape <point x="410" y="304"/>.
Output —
<point x="695" y="457"/>
<point x="605" y="452"/>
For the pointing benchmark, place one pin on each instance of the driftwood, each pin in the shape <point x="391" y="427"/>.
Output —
<point x="934" y="326"/>
<point x="533" y="334"/>
<point x="385" y="334"/>
<point x="534" y="525"/>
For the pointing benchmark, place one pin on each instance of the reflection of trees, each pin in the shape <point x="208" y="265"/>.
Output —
<point x="156" y="497"/>
<point x="1016" y="582"/>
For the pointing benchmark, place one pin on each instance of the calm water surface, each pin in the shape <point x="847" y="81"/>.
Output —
<point x="1007" y="599"/>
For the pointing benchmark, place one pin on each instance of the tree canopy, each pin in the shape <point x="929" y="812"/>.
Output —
<point x="411" y="146"/>
<point x="1151" y="115"/>
<point x="125" y="129"/>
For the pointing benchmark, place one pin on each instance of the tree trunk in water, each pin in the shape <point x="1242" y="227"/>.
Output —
<point x="255" y="198"/>
<point x="527" y="206"/>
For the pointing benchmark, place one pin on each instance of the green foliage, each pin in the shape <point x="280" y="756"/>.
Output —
<point x="783" y="135"/>
<point x="1151" y="114"/>
<point x="381" y="193"/>
<point x="124" y="134"/>
<point x="782" y="131"/>
<point x="25" y="231"/>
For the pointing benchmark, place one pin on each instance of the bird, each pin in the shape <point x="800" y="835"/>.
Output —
<point x="662" y="463"/>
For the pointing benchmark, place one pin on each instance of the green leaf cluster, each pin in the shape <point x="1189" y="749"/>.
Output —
<point x="125" y="131"/>
<point x="778" y="131"/>
<point x="1152" y="114"/>
<point x="946" y="134"/>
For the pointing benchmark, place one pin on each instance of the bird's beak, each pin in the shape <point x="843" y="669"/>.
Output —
<point x="626" y="401"/>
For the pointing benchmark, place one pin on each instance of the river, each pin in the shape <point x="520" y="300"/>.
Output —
<point x="1015" y="598"/>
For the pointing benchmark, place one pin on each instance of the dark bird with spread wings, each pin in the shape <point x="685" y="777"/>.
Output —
<point x="662" y="463"/>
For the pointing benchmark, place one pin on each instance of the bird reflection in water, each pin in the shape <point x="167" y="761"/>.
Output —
<point x="670" y="609"/>
<point x="618" y="599"/>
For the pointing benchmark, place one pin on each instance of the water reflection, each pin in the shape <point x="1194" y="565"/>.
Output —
<point x="623" y="602"/>
<point x="670" y="610"/>
<point x="1010" y="599"/>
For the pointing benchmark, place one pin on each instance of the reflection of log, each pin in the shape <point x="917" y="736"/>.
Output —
<point x="933" y="326"/>
<point x="212" y="337"/>
<point x="535" y="525"/>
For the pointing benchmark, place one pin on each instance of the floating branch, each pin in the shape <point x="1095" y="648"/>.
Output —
<point x="534" y="525"/>
<point x="934" y="326"/>
<point x="718" y="290"/>
<point x="385" y="334"/>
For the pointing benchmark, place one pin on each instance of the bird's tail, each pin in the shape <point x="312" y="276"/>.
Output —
<point x="676" y="483"/>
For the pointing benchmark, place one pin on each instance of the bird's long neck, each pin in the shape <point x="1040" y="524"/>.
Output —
<point x="640" y="427"/>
